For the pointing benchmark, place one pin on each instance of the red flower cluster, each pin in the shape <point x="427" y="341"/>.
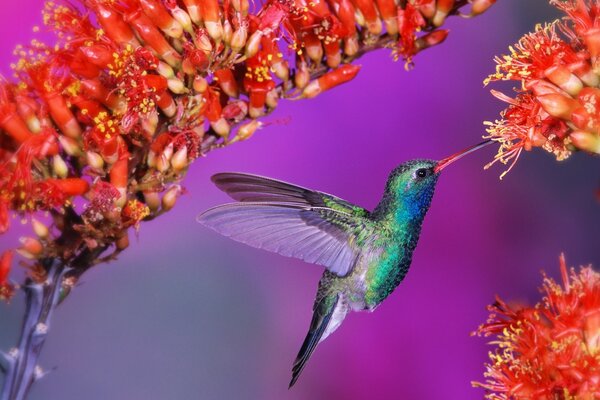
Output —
<point x="556" y="107"/>
<point x="135" y="90"/>
<point x="552" y="350"/>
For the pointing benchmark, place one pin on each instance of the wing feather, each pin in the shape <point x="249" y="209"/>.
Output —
<point x="292" y="230"/>
<point x="253" y="188"/>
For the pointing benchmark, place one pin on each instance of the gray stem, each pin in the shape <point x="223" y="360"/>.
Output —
<point x="21" y="364"/>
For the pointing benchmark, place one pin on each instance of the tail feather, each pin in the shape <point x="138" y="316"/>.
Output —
<point x="321" y="320"/>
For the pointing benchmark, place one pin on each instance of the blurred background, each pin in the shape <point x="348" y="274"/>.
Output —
<point x="187" y="314"/>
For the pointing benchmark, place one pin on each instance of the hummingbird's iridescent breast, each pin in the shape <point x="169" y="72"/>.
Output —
<point x="386" y="271"/>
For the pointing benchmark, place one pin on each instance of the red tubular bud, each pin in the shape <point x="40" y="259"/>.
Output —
<point x="30" y="247"/>
<point x="330" y="80"/>
<point x="96" y="90"/>
<point x="153" y="38"/>
<point x="118" y="174"/>
<point x="159" y="15"/>
<point x="27" y="109"/>
<point x="333" y="55"/>
<point x="586" y="141"/>
<point x="119" y="178"/>
<point x="345" y="12"/>
<point x="389" y="13"/>
<point x="558" y="105"/>
<point x="427" y="8"/>
<point x="63" y="117"/>
<point x="592" y="41"/>
<point x="13" y="124"/>
<point x="431" y="39"/>
<point x="369" y="12"/>
<point x="443" y="8"/>
<point x="70" y="186"/>
<point x="69" y="145"/>
<point x="227" y="82"/>
<point x="97" y="55"/>
<point x="480" y="6"/>
<point x="167" y="104"/>
<point x="564" y="79"/>
<point x="113" y="24"/>
<point x="212" y="20"/>
<point x="193" y="8"/>
<point x="584" y="71"/>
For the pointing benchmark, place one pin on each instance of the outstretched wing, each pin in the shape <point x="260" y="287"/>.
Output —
<point x="290" y="220"/>
<point x="254" y="188"/>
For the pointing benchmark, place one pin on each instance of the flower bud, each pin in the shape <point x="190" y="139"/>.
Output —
<point x="163" y="162"/>
<point x="151" y="160"/>
<point x="302" y="76"/>
<point x="592" y="42"/>
<point x="221" y="127"/>
<point x="272" y="98"/>
<point x="241" y="6"/>
<point x="165" y="70"/>
<point x="59" y="166"/>
<point x="30" y="248"/>
<point x="200" y="84"/>
<point x="39" y="229"/>
<point x="431" y="39"/>
<point x="351" y="46"/>
<point x="238" y="39"/>
<point x="586" y="141"/>
<point x="281" y="70"/>
<point x="204" y="44"/>
<point x="170" y="197"/>
<point x="442" y="10"/>
<point x="248" y="129"/>
<point x="253" y="44"/>
<point x="183" y="18"/>
<point x="69" y="145"/>
<point x="315" y="51"/>
<point x="564" y="79"/>
<point x="558" y="105"/>
<point x="177" y="86"/>
<point x="227" y="32"/>
<point x="94" y="160"/>
<point x="180" y="160"/>
<point x="584" y="71"/>
<point x="152" y="200"/>
<point x="214" y="29"/>
<point x="480" y="6"/>
<point x="123" y="242"/>
<point x="150" y="122"/>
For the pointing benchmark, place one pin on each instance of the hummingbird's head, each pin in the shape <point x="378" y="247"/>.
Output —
<point x="410" y="186"/>
<point x="413" y="175"/>
<point x="413" y="182"/>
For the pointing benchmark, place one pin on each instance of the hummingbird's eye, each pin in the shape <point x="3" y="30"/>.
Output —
<point x="422" y="172"/>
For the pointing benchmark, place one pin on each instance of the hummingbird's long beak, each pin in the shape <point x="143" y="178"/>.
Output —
<point x="449" y="160"/>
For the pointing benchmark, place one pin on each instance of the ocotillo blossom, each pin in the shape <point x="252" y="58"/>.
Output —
<point x="551" y="350"/>
<point x="99" y="128"/>
<point x="557" y="102"/>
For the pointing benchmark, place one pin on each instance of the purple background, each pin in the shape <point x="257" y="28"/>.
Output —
<point x="185" y="313"/>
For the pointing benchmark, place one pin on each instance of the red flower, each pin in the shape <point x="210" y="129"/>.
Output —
<point x="551" y="350"/>
<point x="557" y="103"/>
<point x="6" y="288"/>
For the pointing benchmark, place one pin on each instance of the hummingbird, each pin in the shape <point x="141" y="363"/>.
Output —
<point x="366" y="254"/>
